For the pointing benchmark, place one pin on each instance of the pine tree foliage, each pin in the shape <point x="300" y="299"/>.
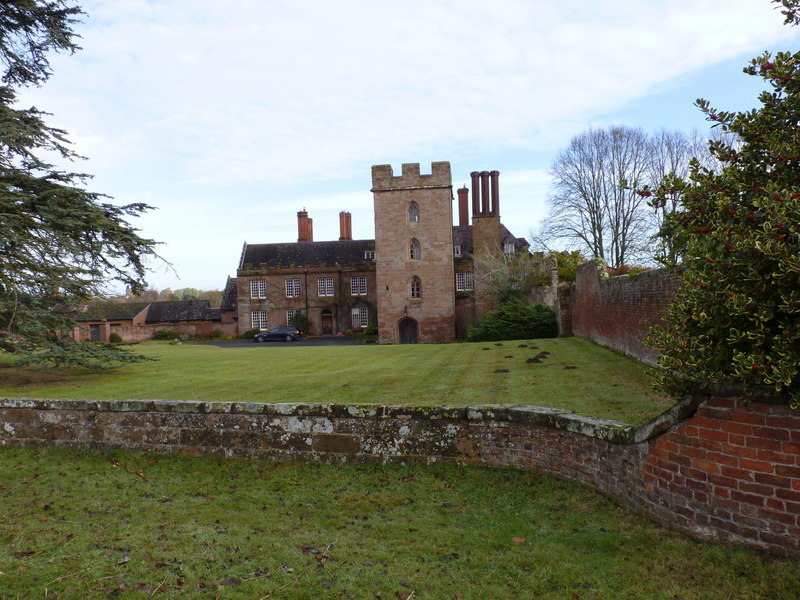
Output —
<point x="736" y="316"/>
<point x="59" y="243"/>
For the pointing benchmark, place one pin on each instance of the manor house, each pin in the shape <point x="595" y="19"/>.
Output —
<point x="415" y="281"/>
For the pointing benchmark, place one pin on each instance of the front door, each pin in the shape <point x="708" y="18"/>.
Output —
<point x="409" y="331"/>
<point x="327" y="323"/>
<point x="94" y="333"/>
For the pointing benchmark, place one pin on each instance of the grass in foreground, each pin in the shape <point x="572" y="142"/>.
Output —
<point x="91" y="525"/>
<point x="576" y="375"/>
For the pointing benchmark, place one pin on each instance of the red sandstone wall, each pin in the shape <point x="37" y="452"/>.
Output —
<point x="619" y="311"/>
<point x="729" y="472"/>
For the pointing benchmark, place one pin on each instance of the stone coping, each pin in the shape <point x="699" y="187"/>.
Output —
<point x="611" y="431"/>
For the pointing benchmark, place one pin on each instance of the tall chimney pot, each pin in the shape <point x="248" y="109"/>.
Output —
<point x="495" y="209"/>
<point x="485" y="200"/>
<point x="476" y="194"/>
<point x="463" y="206"/>
<point x="345" y="226"/>
<point x="305" y="232"/>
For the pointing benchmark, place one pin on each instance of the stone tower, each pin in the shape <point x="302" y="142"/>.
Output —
<point x="414" y="254"/>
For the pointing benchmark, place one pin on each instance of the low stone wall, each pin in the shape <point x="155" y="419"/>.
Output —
<point x="709" y="466"/>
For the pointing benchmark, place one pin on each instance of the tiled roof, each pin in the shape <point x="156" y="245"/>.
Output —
<point x="179" y="310"/>
<point x="214" y="315"/>
<point x="510" y="238"/>
<point x="298" y="254"/>
<point x="462" y="234"/>
<point x="112" y="311"/>
<point x="229" y="295"/>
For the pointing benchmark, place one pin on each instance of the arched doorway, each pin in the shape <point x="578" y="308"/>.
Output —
<point x="327" y="322"/>
<point x="409" y="331"/>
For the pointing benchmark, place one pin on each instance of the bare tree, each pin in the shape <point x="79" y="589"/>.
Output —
<point x="671" y="154"/>
<point x="594" y="206"/>
<point x="505" y="275"/>
<point x="597" y="205"/>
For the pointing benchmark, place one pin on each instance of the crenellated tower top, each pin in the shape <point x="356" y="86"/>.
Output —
<point x="383" y="178"/>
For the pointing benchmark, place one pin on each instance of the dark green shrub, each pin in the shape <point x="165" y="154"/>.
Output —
<point x="248" y="335"/>
<point x="216" y="334"/>
<point x="516" y="320"/>
<point x="166" y="334"/>
<point x="115" y="338"/>
<point x="371" y="330"/>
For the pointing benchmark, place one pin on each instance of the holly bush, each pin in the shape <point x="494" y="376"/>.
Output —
<point x="736" y="247"/>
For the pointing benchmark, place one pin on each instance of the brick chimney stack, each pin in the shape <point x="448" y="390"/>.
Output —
<point x="305" y="227"/>
<point x="463" y="206"/>
<point x="485" y="194"/>
<point x="345" y="226"/>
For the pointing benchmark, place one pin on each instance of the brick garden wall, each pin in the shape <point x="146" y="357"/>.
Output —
<point x="708" y="467"/>
<point x="618" y="312"/>
<point x="140" y="332"/>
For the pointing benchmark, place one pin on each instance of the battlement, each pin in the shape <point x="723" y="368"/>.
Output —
<point x="383" y="178"/>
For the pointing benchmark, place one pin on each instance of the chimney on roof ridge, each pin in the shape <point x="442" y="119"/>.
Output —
<point x="345" y="226"/>
<point x="305" y="227"/>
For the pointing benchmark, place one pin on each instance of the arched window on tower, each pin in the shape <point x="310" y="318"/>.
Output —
<point x="416" y="287"/>
<point x="413" y="212"/>
<point x="414" y="252"/>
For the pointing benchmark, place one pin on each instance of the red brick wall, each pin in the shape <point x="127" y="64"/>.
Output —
<point x="619" y="311"/>
<point x="734" y="470"/>
<point x="130" y="333"/>
<point x="728" y="472"/>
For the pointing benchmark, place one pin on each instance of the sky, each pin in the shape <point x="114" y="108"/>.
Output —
<point x="229" y="116"/>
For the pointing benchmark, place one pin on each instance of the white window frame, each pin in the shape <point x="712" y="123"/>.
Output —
<point x="258" y="319"/>
<point x="258" y="289"/>
<point x="359" y="316"/>
<point x="358" y="285"/>
<point x="325" y="286"/>
<point x="369" y="255"/>
<point x="457" y="250"/>
<point x="290" y="314"/>
<point x="465" y="282"/>
<point x="292" y="288"/>
<point x="509" y="248"/>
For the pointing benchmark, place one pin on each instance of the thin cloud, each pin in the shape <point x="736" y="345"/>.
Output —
<point x="191" y="99"/>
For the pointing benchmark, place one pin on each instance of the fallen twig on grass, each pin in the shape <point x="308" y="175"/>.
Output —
<point x="114" y="462"/>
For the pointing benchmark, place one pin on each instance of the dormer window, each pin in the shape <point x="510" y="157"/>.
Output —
<point x="457" y="250"/>
<point x="369" y="255"/>
<point x="509" y="248"/>
<point x="413" y="212"/>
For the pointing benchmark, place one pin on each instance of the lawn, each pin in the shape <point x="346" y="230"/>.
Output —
<point x="89" y="525"/>
<point x="570" y="373"/>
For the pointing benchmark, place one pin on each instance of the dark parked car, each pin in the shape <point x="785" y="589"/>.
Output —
<point x="287" y="334"/>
